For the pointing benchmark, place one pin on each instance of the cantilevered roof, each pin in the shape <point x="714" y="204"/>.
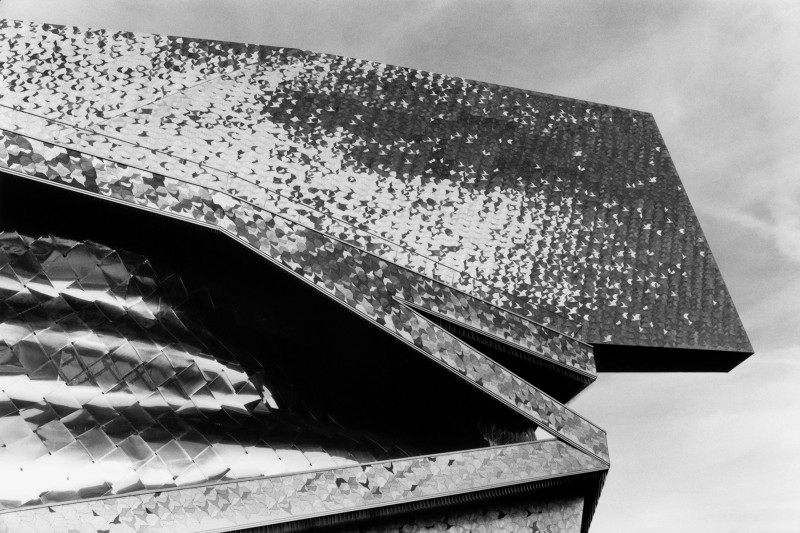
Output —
<point x="431" y="253"/>
<point x="571" y="207"/>
<point x="537" y="201"/>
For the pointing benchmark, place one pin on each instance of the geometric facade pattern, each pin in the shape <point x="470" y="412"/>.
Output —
<point x="573" y="206"/>
<point x="276" y="499"/>
<point x="471" y="254"/>
<point x="110" y="385"/>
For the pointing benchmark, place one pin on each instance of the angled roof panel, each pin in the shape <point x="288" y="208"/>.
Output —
<point x="566" y="206"/>
<point x="514" y="242"/>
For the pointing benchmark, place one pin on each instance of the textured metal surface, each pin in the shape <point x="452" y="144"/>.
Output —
<point x="499" y="323"/>
<point x="533" y="222"/>
<point x="247" y="190"/>
<point x="110" y="383"/>
<point x="359" y="280"/>
<point x="270" y="500"/>
<point x="572" y="205"/>
<point x="562" y="515"/>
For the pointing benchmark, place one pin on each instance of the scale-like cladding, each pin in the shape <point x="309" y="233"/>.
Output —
<point x="114" y="382"/>
<point x="364" y="283"/>
<point x="571" y="205"/>
<point x="392" y="280"/>
<point x="394" y="384"/>
<point x="560" y="515"/>
<point x="110" y="384"/>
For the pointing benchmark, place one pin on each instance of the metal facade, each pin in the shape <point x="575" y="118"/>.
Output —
<point x="498" y="235"/>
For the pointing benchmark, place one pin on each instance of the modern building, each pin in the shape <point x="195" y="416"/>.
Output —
<point x="246" y="288"/>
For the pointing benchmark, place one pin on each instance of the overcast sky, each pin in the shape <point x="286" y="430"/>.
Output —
<point x="690" y="453"/>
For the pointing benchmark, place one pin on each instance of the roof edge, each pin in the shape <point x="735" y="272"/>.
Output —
<point x="629" y="358"/>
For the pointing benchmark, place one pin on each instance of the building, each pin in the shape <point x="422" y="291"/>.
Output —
<point x="247" y="288"/>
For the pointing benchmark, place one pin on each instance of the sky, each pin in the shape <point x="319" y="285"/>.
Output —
<point x="711" y="453"/>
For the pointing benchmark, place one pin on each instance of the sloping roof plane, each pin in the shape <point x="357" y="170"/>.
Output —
<point x="514" y="241"/>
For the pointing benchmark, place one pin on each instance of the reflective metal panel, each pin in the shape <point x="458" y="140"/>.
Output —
<point x="106" y="375"/>
<point x="229" y="506"/>
<point x="572" y="205"/>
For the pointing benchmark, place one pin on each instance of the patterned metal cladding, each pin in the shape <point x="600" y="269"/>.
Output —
<point x="360" y="280"/>
<point x="109" y="384"/>
<point x="262" y="501"/>
<point x="562" y="515"/>
<point x="101" y="372"/>
<point x="571" y="205"/>
<point x="506" y="326"/>
<point x="253" y="192"/>
<point x="539" y="222"/>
